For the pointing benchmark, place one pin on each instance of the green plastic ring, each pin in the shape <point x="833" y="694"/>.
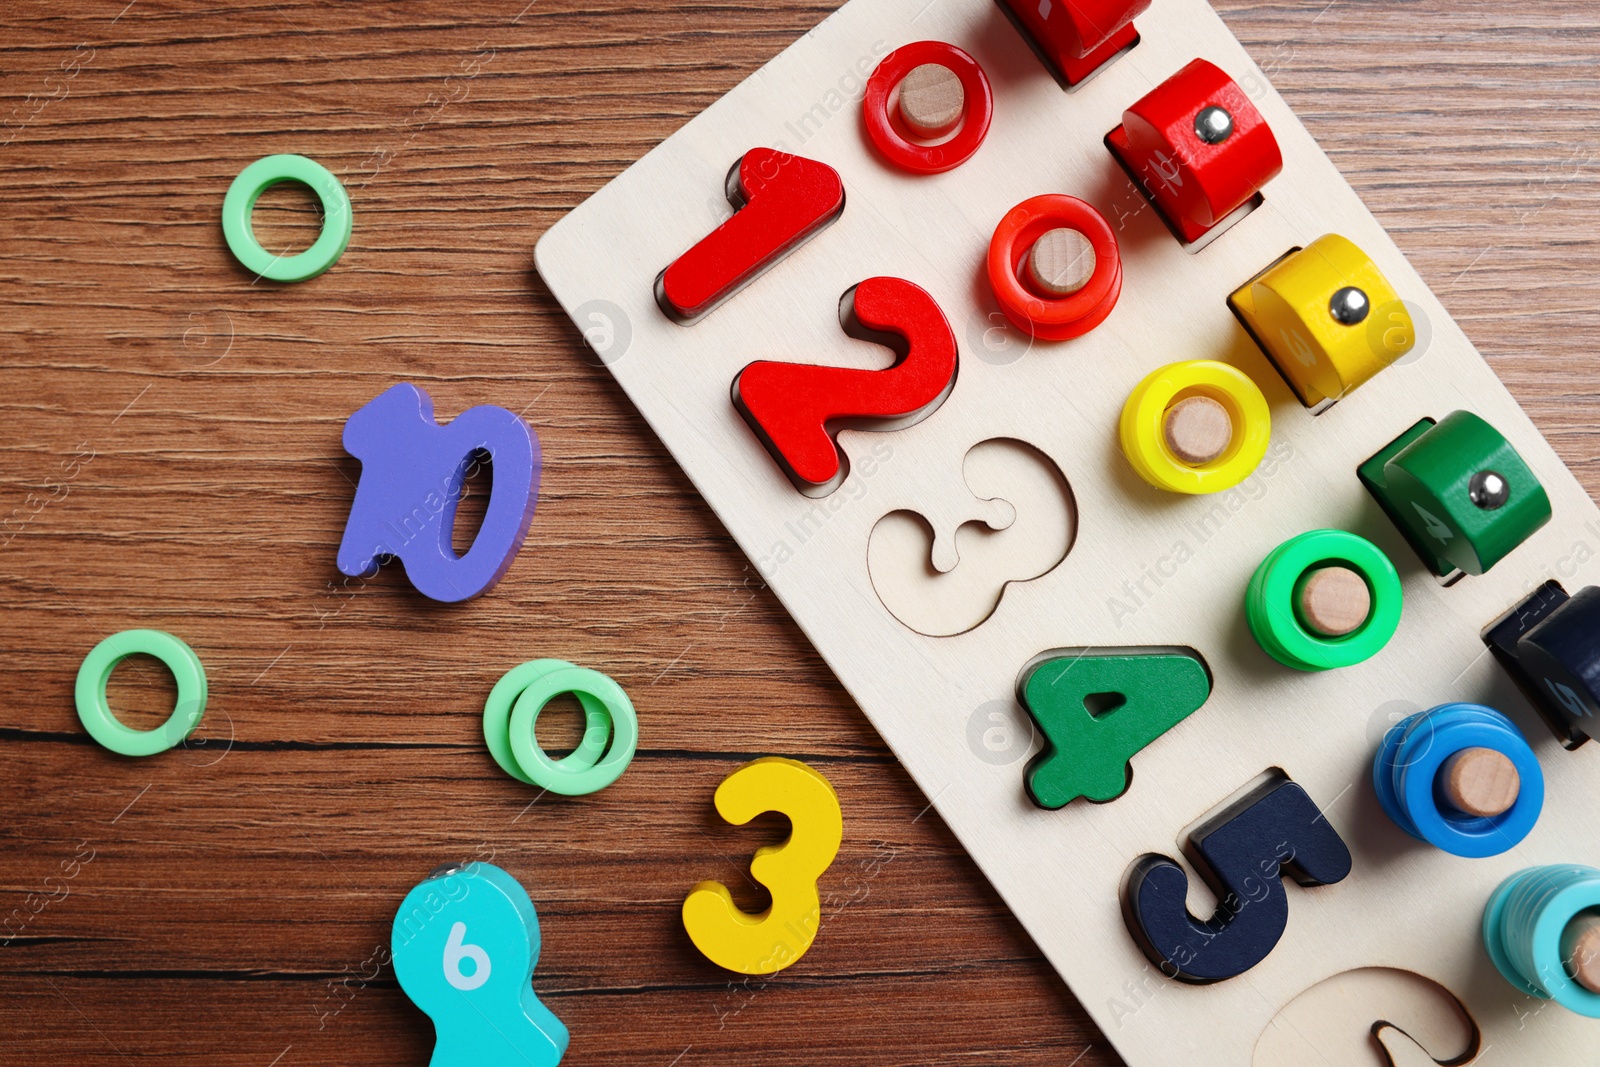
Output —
<point x="1269" y="601"/>
<point x="559" y="776"/>
<point x="497" y="720"/>
<point x="94" y="711"/>
<point x="256" y="179"/>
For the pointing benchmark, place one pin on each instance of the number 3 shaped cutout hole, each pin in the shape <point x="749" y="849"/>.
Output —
<point x="767" y="943"/>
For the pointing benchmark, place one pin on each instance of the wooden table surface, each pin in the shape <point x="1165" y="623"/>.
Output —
<point x="172" y="460"/>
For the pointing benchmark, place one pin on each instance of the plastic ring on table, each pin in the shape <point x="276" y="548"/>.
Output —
<point x="559" y="776"/>
<point x="1053" y="318"/>
<point x="884" y="128"/>
<point x="1142" y="428"/>
<point x="94" y="711"/>
<point x="256" y="179"/>
<point x="1276" y="624"/>
<point x="1523" y="925"/>
<point x="497" y="719"/>
<point x="1411" y="758"/>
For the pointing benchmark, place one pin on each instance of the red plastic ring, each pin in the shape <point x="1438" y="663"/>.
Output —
<point x="887" y="130"/>
<point x="1054" y="318"/>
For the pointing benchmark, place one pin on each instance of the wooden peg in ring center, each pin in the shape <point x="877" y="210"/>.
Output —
<point x="1198" y="430"/>
<point x="1580" y="949"/>
<point x="1061" y="262"/>
<point x="1481" y="782"/>
<point x="1334" y="601"/>
<point x="931" y="100"/>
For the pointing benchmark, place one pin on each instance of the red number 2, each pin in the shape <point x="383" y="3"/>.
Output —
<point x="789" y="405"/>
<point x="781" y="201"/>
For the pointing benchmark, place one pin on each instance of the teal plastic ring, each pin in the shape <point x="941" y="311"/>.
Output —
<point x="1522" y="927"/>
<point x="94" y="711"/>
<point x="1270" y="610"/>
<point x="497" y="720"/>
<point x="256" y="179"/>
<point x="561" y="776"/>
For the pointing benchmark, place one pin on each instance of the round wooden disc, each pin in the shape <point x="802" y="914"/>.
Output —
<point x="1335" y="601"/>
<point x="931" y="100"/>
<point x="1061" y="262"/>
<point x="1482" y="782"/>
<point x="1580" y="950"/>
<point x="1198" y="430"/>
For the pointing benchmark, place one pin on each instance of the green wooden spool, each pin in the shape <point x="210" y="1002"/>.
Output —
<point x="1459" y="492"/>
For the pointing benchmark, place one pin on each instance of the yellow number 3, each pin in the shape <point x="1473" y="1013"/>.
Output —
<point x="767" y="943"/>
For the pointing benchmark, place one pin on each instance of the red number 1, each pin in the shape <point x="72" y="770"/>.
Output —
<point x="789" y="405"/>
<point x="781" y="201"/>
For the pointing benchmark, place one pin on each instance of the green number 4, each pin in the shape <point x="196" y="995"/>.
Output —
<point x="1097" y="710"/>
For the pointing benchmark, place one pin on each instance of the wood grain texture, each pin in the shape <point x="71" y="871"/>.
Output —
<point x="238" y="890"/>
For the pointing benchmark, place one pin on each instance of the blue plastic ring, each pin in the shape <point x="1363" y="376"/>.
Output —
<point x="1406" y="769"/>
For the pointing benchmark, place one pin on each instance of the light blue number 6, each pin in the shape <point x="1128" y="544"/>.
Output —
<point x="483" y="1015"/>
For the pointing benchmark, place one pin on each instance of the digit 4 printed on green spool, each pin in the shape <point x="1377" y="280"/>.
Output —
<point x="1097" y="710"/>
<point x="1458" y="491"/>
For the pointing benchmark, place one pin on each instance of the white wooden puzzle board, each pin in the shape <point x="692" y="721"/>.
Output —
<point x="1145" y="567"/>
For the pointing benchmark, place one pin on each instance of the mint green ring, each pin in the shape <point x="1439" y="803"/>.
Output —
<point x="256" y="179"/>
<point x="560" y="776"/>
<point x="497" y="720"/>
<point x="94" y="711"/>
<point x="1270" y="600"/>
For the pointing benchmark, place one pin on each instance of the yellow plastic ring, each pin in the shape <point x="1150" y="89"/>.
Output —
<point x="1143" y="434"/>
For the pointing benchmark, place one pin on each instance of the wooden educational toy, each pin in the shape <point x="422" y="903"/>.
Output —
<point x="1311" y="313"/>
<point x="247" y="188"/>
<point x="1535" y="923"/>
<point x="777" y="938"/>
<point x="1459" y="492"/>
<point x="412" y="471"/>
<point x="610" y="735"/>
<point x="896" y="134"/>
<point x="1144" y="382"/>
<point x="790" y="405"/>
<point x="1547" y="644"/>
<point x="1196" y="427"/>
<point x="95" y="674"/>
<point x="1043" y="311"/>
<point x="1291" y="617"/>
<point x="1460" y="777"/>
<point x="465" y="942"/>
<point x="1203" y="169"/>
<point x="1097" y="711"/>
<point x="780" y="201"/>
<point x="1077" y="38"/>
<point x="1241" y="853"/>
